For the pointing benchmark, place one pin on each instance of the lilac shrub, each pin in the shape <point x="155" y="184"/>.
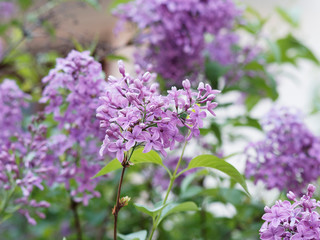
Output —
<point x="289" y="156"/>
<point x="294" y="220"/>
<point x="175" y="33"/>
<point x="72" y="92"/>
<point x="134" y="113"/>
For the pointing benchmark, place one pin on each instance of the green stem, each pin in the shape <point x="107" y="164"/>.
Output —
<point x="6" y="201"/>
<point x="172" y="179"/>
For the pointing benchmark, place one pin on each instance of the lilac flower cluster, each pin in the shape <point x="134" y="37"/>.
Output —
<point x="134" y="113"/>
<point x="12" y="100"/>
<point x="73" y="90"/>
<point x="175" y="32"/>
<point x="7" y="9"/>
<point x="292" y="221"/>
<point x="289" y="156"/>
<point x="25" y="165"/>
<point x="79" y="166"/>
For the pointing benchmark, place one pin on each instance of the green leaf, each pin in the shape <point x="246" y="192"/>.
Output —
<point x="290" y="17"/>
<point x="214" y="162"/>
<point x="115" y="3"/>
<point x="111" y="166"/>
<point x="141" y="235"/>
<point x="177" y="207"/>
<point x="77" y="45"/>
<point x="24" y="4"/>
<point x="149" y="211"/>
<point x="113" y="57"/>
<point x="251" y="101"/>
<point x="150" y="157"/>
<point x="292" y="49"/>
<point x="246" y="121"/>
<point x="214" y="70"/>
<point x="137" y="157"/>
<point x="274" y="50"/>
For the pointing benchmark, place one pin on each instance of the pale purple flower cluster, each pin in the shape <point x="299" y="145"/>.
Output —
<point x="292" y="221"/>
<point x="73" y="90"/>
<point x="175" y="32"/>
<point x="25" y="165"/>
<point x="289" y="156"/>
<point x="77" y="165"/>
<point x="7" y="9"/>
<point x="12" y="100"/>
<point x="134" y="113"/>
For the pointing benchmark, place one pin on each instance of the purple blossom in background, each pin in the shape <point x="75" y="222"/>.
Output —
<point x="289" y="156"/>
<point x="134" y="113"/>
<point x="292" y="221"/>
<point x="175" y="33"/>
<point x="25" y="165"/>
<point x="7" y="10"/>
<point x="12" y="100"/>
<point x="73" y="90"/>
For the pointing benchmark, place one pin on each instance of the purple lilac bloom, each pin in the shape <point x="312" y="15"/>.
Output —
<point x="25" y="165"/>
<point x="289" y="156"/>
<point x="175" y="33"/>
<point x="72" y="92"/>
<point x="7" y="9"/>
<point x="134" y="113"/>
<point x="12" y="100"/>
<point x="296" y="220"/>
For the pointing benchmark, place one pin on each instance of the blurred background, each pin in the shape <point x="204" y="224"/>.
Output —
<point x="34" y="33"/>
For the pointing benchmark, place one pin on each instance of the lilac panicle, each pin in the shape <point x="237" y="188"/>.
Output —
<point x="72" y="93"/>
<point x="7" y="10"/>
<point x="134" y="113"/>
<point x="289" y="156"/>
<point x="25" y="165"/>
<point x="75" y="84"/>
<point x="176" y="32"/>
<point x="12" y="100"/>
<point x="292" y="220"/>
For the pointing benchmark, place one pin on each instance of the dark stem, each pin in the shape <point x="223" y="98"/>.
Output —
<point x="117" y="207"/>
<point x="74" y="208"/>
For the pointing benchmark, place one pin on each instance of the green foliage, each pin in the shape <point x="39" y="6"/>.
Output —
<point x="113" y="57"/>
<point x="110" y="167"/>
<point x="290" y="16"/>
<point x="115" y="3"/>
<point x="214" y="162"/>
<point x="137" y="157"/>
<point x="290" y="50"/>
<point x="141" y="235"/>
<point x="152" y="212"/>
<point x="172" y="208"/>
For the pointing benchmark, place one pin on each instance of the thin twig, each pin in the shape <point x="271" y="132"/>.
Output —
<point x="117" y="207"/>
